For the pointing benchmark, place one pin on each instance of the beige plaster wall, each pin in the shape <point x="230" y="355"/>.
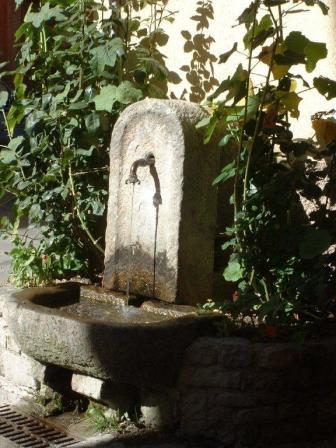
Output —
<point x="211" y="37"/>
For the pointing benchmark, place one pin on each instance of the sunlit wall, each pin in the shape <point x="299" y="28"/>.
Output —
<point x="197" y="39"/>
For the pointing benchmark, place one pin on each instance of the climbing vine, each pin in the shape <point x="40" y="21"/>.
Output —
<point x="79" y="65"/>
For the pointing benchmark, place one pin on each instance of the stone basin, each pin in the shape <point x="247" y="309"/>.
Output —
<point x="104" y="338"/>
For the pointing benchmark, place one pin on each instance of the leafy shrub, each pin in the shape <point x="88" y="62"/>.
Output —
<point x="281" y="256"/>
<point x="75" y="75"/>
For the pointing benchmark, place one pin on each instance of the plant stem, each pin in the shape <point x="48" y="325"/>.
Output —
<point x="10" y="135"/>
<point x="241" y="140"/>
<point x="256" y="130"/>
<point x="78" y="212"/>
<point x="280" y="23"/>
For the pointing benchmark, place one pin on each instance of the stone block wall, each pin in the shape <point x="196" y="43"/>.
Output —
<point x="243" y="394"/>
<point x="20" y="376"/>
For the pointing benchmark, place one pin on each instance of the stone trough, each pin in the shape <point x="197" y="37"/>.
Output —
<point x="123" y="344"/>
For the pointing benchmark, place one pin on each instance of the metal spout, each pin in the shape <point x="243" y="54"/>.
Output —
<point x="147" y="160"/>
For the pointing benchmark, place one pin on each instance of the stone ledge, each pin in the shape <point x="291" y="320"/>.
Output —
<point x="117" y="396"/>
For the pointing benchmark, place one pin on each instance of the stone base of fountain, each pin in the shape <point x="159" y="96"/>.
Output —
<point x="229" y="392"/>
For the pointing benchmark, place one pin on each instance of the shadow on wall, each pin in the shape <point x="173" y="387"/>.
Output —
<point x="200" y="70"/>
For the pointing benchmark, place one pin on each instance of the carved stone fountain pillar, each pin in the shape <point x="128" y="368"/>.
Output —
<point x="160" y="232"/>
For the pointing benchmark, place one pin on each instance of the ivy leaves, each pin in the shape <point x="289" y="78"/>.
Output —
<point x="106" y="55"/>
<point x="46" y="13"/>
<point x="74" y="78"/>
<point x="124" y="94"/>
<point x="326" y="87"/>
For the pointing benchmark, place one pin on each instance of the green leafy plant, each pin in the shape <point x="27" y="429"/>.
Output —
<point x="76" y="72"/>
<point x="104" y="420"/>
<point x="280" y="253"/>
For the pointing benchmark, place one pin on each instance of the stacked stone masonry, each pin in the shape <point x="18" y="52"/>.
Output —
<point x="244" y="394"/>
<point x="21" y="377"/>
<point x="231" y="392"/>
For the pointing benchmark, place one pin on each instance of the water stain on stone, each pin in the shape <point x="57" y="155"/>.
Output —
<point x="140" y="274"/>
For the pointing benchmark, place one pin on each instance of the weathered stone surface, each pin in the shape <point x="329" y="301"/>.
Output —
<point x="282" y="395"/>
<point x="171" y="243"/>
<point x="118" y="397"/>
<point x="235" y="393"/>
<point x="3" y="334"/>
<point x="235" y="353"/>
<point x="193" y="408"/>
<point x="11" y="393"/>
<point x="5" y="294"/>
<point x="212" y="376"/>
<point x="140" y="353"/>
<point x="280" y="356"/>
<point x="256" y="415"/>
<point x="259" y="379"/>
<point x="203" y="352"/>
<point x="22" y="370"/>
<point x="158" y="409"/>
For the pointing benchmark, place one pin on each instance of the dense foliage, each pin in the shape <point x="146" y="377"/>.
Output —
<point x="78" y="67"/>
<point x="281" y="255"/>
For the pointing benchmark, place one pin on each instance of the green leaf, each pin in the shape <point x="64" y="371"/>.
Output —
<point x="321" y="4"/>
<point x="35" y="212"/>
<point x="248" y="14"/>
<point x="127" y="93"/>
<point x="326" y="87"/>
<point x="46" y="13"/>
<point x="7" y="156"/>
<point x="298" y="46"/>
<point x="228" y="244"/>
<point x="314" y="52"/>
<point x="236" y="86"/>
<point x="289" y="102"/>
<point x="225" y="56"/>
<point x="225" y="140"/>
<point x="33" y="120"/>
<point x="3" y="98"/>
<point x="263" y="30"/>
<point x="18" y="3"/>
<point x="98" y="208"/>
<point x="15" y="143"/>
<point x="204" y="122"/>
<point x="210" y="129"/>
<point x="227" y="173"/>
<point x="78" y="106"/>
<point x="233" y="272"/>
<point x="314" y="243"/>
<point x="296" y="42"/>
<point x="272" y="3"/>
<point x="86" y="152"/>
<point x="106" y="99"/>
<point x="92" y="122"/>
<point x="106" y="55"/>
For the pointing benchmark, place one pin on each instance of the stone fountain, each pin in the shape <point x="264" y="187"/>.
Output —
<point x="160" y="237"/>
<point x="161" y="227"/>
